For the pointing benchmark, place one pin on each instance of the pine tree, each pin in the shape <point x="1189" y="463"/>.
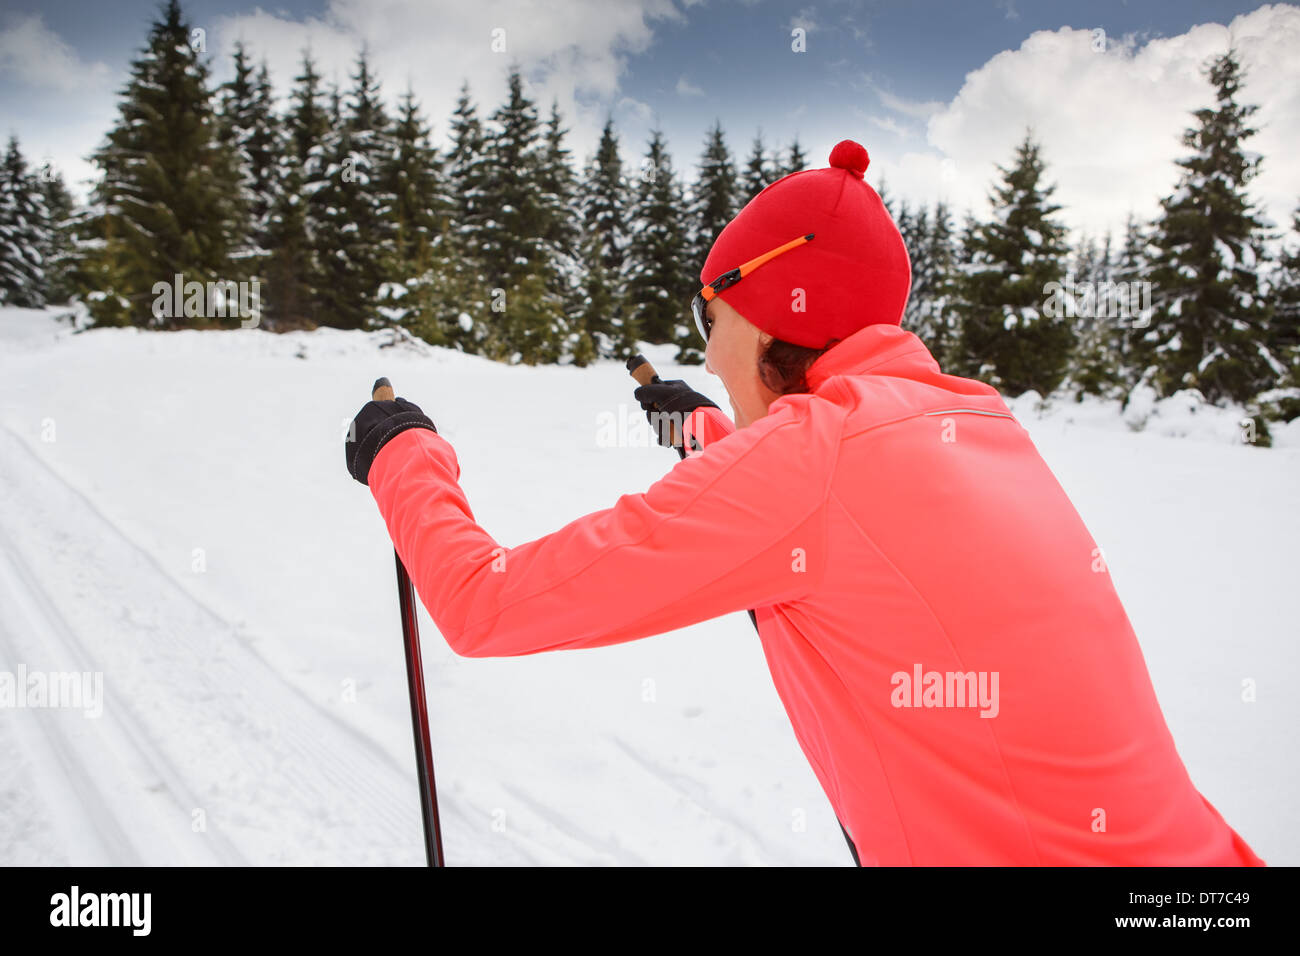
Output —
<point x="604" y="210"/>
<point x="660" y="280"/>
<point x="796" y="160"/>
<point x="1009" y="336"/>
<point x="1096" y="364"/>
<point x="169" y="192"/>
<point x="562" y="246"/>
<point x="250" y="131"/>
<point x="24" y="232"/>
<point x="713" y="196"/>
<point x="759" y="172"/>
<point x="887" y="199"/>
<point x="933" y="256"/>
<point x="294" y="272"/>
<point x="712" y="206"/>
<point x="413" y="176"/>
<point x="527" y="321"/>
<point x="1132" y="279"/>
<point x="1285" y="329"/>
<point x="59" y="253"/>
<point x="355" y="237"/>
<point x="1210" y="324"/>
<point x="460" y="256"/>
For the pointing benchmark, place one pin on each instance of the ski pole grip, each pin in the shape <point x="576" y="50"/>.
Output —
<point x="642" y="370"/>
<point x="645" y="374"/>
<point x="382" y="391"/>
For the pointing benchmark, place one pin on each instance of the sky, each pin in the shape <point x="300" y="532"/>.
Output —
<point x="939" y="93"/>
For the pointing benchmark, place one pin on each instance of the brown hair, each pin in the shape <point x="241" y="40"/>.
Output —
<point x="783" y="366"/>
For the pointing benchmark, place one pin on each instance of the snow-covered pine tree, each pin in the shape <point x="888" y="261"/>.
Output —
<point x="356" y="233"/>
<point x="1008" y="336"/>
<point x="887" y="199"/>
<point x="759" y="173"/>
<point x="1095" y="366"/>
<point x="1209" y="328"/>
<point x="604" y="208"/>
<point x="293" y="272"/>
<point x="24" y="232"/>
<point x="925" y="255"/>
<point x="169" y="193"/>
<point x="795" y="160"/>
<point x="1284" y="341"/>
<point x="712" y="206"/>
<point x="527" y="318"/>
<point x="460" y="252"/>
<point x="250" y="130"/>
<point x="1131" y="270"/>
<point x="562" y="239"/>
<point x="929" y="307"/>
<point x="660" y="279"/>
<point x="60" y="250"/>
<point x="413" y="176"/>
<point x="910" y="225"/>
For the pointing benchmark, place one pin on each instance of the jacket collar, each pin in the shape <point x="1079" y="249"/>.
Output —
<point x="869" y="349"/>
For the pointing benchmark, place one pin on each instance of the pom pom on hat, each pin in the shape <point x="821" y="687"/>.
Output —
<point x="851" y="156"/>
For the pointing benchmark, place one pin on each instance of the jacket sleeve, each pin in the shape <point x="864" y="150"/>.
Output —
<point x="729" y="528"/>
<point x="707" y="425"/>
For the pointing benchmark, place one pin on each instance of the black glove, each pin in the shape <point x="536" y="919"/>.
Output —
<point x="374" y="425"/>
<point x="673" y="397"/>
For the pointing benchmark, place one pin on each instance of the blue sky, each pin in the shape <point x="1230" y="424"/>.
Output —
<point x="938" y="92"/>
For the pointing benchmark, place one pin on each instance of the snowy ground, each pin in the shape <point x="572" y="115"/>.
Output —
<point x="174" y="514"/>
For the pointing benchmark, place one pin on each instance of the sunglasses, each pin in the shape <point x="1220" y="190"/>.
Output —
<point x="700" y="304"/>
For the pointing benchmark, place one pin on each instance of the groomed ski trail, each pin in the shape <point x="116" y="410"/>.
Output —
<point x="275" y="778"/>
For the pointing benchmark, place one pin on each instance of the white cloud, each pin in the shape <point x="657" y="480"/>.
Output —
<point x="639" y="109"/>
<point x="574" y="52"/>
<point x="889" y="124"/>
<point x="33" y="55"/>
<point x="686" y="88"/>
<point x="804" y="19"/>
<point x="1110" y="124"/>
<point x="907" y="107"/>
<point x="59" y="104"/>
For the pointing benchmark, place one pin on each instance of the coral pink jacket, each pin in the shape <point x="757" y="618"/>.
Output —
<point x="955" y="661"/>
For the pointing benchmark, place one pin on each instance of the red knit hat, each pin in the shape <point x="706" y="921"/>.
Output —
<point x="855" y="272"/>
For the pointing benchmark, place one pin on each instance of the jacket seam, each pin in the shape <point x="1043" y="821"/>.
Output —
<point x="910" y="415"/>
<point x="947" y="637"/>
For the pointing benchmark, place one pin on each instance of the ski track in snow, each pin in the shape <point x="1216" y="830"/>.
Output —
<point x="745" y="844"/>
<point x="186" y="703"/>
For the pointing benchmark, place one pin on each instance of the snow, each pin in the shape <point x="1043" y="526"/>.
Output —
<point x="191" y="533"/>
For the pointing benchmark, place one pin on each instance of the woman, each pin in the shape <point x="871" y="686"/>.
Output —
<point x="954" y="659"/>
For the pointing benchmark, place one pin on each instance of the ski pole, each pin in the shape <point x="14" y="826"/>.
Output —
<point x="383" y="392"/>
